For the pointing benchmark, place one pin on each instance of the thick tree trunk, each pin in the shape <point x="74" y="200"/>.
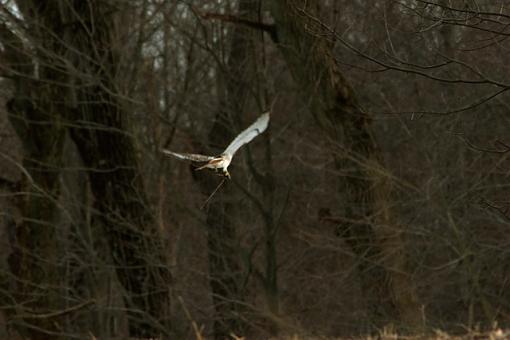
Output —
<point x="101" y="134"/>
<point x="122" y="209"/>
<point x="75" y="44"/>
<point x="373" y="235"/>
<point x="33" y="261"/>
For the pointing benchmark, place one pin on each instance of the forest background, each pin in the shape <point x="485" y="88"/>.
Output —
<point x="376" y="201"/>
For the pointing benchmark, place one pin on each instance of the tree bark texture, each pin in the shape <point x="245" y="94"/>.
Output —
<point x="33" y="261"/>
<point x="76" y="49"/>
<point x="101" y="134"/>
<point x="373" y="235"/>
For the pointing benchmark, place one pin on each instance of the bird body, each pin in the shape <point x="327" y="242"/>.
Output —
<point x="221" y="162"/>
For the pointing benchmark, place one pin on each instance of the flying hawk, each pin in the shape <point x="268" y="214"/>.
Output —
<point x="221" y="162"/>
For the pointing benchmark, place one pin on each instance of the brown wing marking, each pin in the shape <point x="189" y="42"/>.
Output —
<point x="212" y="162"/>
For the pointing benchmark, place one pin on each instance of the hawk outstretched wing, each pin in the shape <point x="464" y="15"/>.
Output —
<point x="223" y="161"/>
<point x="255" y="129"/>
<point x="188" y="156"/>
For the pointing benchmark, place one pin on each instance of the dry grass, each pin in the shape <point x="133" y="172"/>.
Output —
<point x="437" y="335"/>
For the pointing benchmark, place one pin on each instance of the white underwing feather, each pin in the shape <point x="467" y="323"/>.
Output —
<point x="255" y="129"/>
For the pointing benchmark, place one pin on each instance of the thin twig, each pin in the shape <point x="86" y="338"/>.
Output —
<point x="210" y="196"/>
<point x="269" y="28"/>
<point x="57" y="313"/>
<point x="196" y="329"/>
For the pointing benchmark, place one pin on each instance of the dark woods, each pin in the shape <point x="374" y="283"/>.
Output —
<point x="375" y="202"/>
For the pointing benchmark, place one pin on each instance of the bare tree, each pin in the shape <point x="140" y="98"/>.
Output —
<point x="369" y="226"/>
<point x="33" y="261"/>
<point x="75" y="48"/>
<point x="383" y="175"/>
<point x="226" y="271"/>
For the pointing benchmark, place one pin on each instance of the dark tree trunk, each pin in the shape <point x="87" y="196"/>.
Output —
<point x="372" y="234"/>
<point x="33" y="260"/>
<point x="78" y="61"/>
<point x="101" y="133"/>
<point x="122" y="209"/>
<point x="34" y="114"/>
